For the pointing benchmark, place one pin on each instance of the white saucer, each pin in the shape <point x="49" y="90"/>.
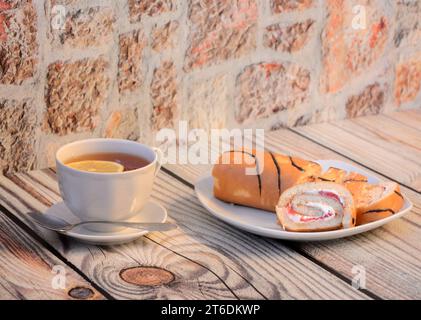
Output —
<point x="265" y="223"/>
<point x="152" y="212"/>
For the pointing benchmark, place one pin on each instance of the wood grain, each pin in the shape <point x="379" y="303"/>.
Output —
<point x="207" y="258"/>
<point x="409" y="118"/>
<point x="103" y="265"/>
<point x="26" y="268"/>
<point x="389" y="147"/>
<point x="276" y="271"/>
<point x="388" y="254"/>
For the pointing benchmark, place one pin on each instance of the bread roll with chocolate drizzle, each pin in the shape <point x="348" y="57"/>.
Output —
<point x="274" y="173"/>
<point x="263" y="189"/>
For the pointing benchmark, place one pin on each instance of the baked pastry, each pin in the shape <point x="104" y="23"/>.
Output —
<point x="355" y="177"/>
<point x="273" y="174"/>
<point x="316" y="206"/>
<point x="258" y="179"/>
<point x="375" y="201"/>
<point x="333" y="175"/>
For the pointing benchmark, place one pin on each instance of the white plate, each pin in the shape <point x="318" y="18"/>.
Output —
<point x="265" y="223"/>
<point x="152" y="212"/>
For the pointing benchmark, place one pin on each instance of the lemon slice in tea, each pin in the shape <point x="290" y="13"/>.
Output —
<point x="97" y="166"/>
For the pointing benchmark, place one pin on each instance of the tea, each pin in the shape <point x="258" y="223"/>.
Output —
<point x="128" y="161"/>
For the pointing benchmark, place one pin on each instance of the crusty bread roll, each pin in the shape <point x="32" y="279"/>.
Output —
<point x="262" y="191"/>
<point x="375" y="201"/>
<point x="316" y="206"/>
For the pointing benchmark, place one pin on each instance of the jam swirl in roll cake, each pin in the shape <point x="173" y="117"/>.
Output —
<point x="316" y="206"/>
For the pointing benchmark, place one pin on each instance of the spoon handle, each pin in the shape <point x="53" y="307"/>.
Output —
<point x="150" y="226"/>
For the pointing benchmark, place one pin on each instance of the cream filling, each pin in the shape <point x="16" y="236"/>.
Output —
<point x="383" y="193"/>
<point x="328" y="211"/>
<point x="341" y="200"/>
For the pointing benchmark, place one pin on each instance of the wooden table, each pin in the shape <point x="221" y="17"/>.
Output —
<point x="208" y="259"/>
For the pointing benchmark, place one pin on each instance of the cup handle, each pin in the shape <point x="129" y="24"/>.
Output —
<point x="159" y="157"/>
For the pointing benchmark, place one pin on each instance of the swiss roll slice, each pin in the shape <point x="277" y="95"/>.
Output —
<point x="316" y="206"/>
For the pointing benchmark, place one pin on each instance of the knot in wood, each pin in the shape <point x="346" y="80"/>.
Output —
<point x="147" y="276"/>
<point x="81" y="293"/>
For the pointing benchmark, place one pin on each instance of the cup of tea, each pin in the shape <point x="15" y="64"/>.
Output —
<point x="112" y="196"/>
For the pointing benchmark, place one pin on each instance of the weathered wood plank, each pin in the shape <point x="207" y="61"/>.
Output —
<point x="388" y="146"/>
<point x="388" y="254"/>
<point x="409" y="118"/>
<point x="104" y="265"/>
<point x="26" y="269"/>
<point x="273" y="269"/>
<point x="208" y="258"/>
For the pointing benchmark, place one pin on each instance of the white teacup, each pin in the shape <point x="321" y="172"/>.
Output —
<point x="106" y="196"/>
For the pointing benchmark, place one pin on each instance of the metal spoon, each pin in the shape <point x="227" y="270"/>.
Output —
<point x="58" y="224"/>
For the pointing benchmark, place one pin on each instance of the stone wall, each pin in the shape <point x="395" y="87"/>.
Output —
<point x="71" y="69"/>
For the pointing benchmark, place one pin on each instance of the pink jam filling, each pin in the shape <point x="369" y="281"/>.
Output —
<point x="331" y="195"/>
<point x="309" y="218"/>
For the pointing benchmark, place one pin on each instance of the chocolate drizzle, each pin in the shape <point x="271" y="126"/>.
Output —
<point x="257" y="167"/>
<point x="399" y="194"/>
<point x="379" y="210"/>
<point x="324" y="179"/>
<point x="295" y="165"/>
<point x="278" y="170"/>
